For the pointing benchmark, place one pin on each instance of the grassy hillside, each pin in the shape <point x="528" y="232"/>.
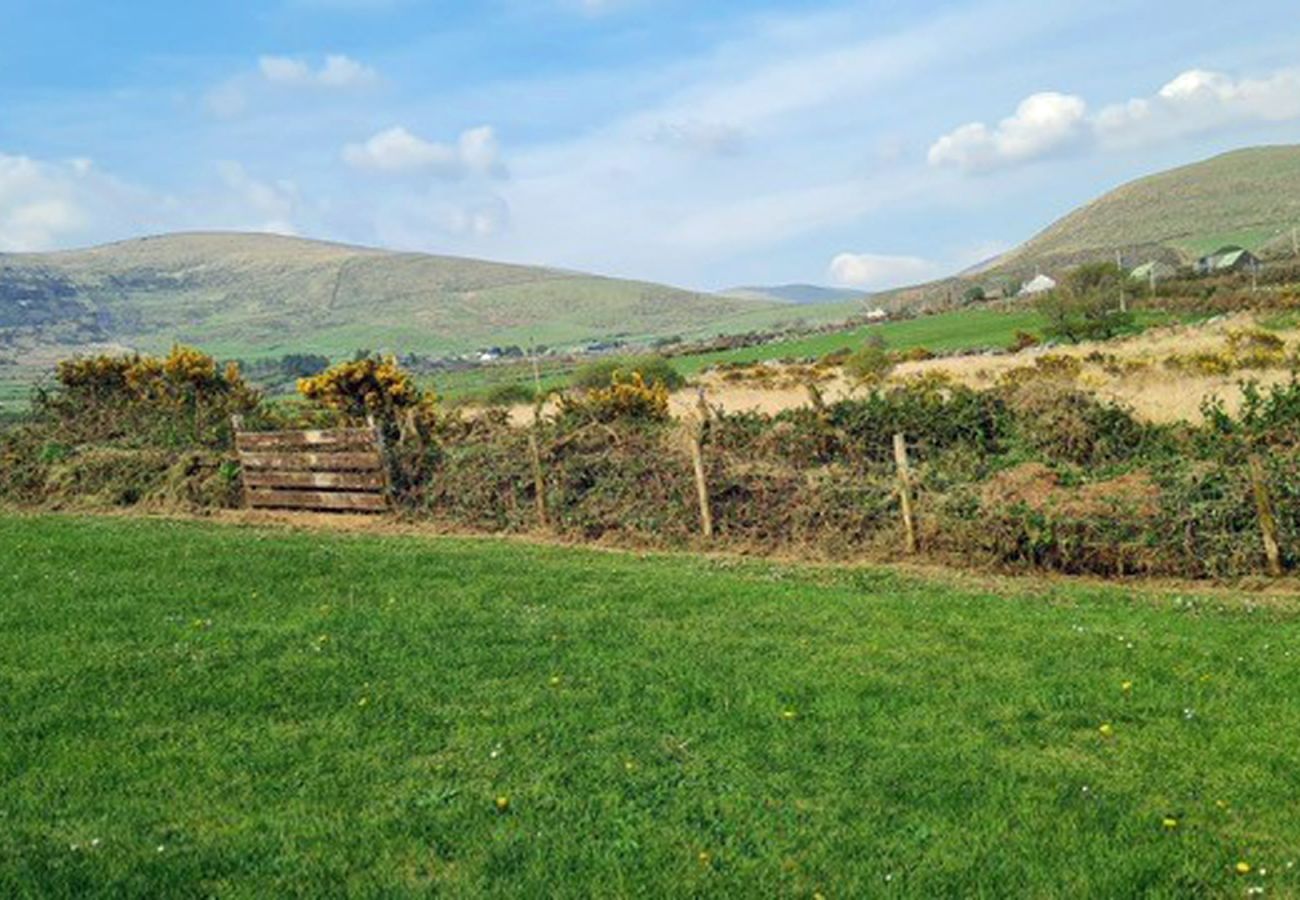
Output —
<point x="191" y="709"/>
<point x="260" y="295"/>
<point x="1248" y="197"/>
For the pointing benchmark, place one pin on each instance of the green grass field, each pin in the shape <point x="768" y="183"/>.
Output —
<point x="966" y="329"/>
<point x="205" y="710"/>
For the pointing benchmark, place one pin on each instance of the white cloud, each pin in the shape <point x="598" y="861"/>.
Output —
<point x="43" y="204"/>
<point x="876" y="271"/>
<point x="1199" y="100"/>
<point x="1194" y="102"/>
<point x="338" y="71"/>
<point x="267" y="206"/>
<point x="396" y="150"/>
<point x="1042" y="124"/>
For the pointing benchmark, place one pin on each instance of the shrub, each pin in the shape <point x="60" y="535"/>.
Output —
<point x="1086" y="305"/>
<point x="511" y="394"/>
<point x="654" y="370"/>
<point x="370" y="386"/>
<point x="184" y="398"/>
<point x="1068" y="425"/>
<point x="628" y="398"/>
<point x="870" y="363"/>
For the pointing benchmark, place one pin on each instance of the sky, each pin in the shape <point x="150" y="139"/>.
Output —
<point x="702" y="144"/>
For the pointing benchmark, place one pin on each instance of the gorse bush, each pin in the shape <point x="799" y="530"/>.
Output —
<point x="628" y="398"/>
<point x="182" y="399"/>
<point x="654" y="370"/>
<point x="367" y="387"/>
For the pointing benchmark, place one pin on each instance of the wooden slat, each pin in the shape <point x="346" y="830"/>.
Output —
<point x="312" y="462"/>
<point x="270" y="478"/>
<point x="328" y="439"/>
<point x="323" y="500"/>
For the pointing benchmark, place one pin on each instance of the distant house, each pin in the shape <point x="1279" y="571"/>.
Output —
<point x="1039" y="284"/>
<point x="1153" y="271"/>
<point x="877" y="315"/>
<point x="1227" y="259"/>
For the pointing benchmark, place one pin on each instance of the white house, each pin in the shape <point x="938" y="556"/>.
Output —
<point x="877" y="315"/>
<point x="1039" y="284"/>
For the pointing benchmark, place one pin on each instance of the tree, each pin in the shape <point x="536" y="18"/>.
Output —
<point x="1086" y="306"/>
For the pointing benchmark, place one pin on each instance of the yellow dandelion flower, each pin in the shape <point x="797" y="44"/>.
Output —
<point x="502" y="803"/>
<point x="789" y="714"/>
<point x="1243" y="868"/>
<point x="1107" y="730"/>
<point x="1126" y="686"/>
<point x="1169" y="822"/>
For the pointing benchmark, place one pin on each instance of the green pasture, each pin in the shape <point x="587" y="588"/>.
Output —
<point x="206" y="710"/>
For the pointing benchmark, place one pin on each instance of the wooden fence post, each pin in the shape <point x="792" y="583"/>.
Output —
<point x="237" y="426"/>
<point x="539" y="478"/>
<point x="905" y="491"/>
<point x="385" y="459"/>
<point x="697" y="459"/>
<point x="1267" y="519"/>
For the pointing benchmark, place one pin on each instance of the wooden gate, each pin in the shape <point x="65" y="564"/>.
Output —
<point x="334" y="470"/>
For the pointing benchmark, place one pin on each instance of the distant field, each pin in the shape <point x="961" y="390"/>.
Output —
<point x="966" y="329"/>
<point x="206" y="710"/>
<point x="15" y="392"/>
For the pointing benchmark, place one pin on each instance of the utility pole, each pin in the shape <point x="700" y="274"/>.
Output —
<point x="537" y="374"/>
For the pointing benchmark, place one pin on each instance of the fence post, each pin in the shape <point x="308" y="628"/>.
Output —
<point x="905" y="491"/>
<point x="1267" y="519"/>
<point x="236" y="427"/>
<point x="385" y="459"/>
<point x="697" y="459"/>
<point x="539" y="478"/>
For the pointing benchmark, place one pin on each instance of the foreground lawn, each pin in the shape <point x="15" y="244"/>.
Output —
<point x="191" y="709"/>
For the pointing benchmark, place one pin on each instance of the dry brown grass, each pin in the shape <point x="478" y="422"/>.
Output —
<point x="1133" y="374"/>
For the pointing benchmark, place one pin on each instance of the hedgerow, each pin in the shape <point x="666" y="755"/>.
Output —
<point x="1031" y="473"/>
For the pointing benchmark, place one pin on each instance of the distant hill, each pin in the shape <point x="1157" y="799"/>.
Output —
<point x="799" y="294"/>
<point x="249" y="295"/>
<point x="1248" y="197"/>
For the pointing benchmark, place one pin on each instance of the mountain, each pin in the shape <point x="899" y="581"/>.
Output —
<point x="798" y="294"/>
<point x="1248" y="197"/>
<point x="251" y="295"/>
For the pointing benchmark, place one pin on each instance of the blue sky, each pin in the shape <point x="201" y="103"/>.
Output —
<point x="702" y="144"/>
